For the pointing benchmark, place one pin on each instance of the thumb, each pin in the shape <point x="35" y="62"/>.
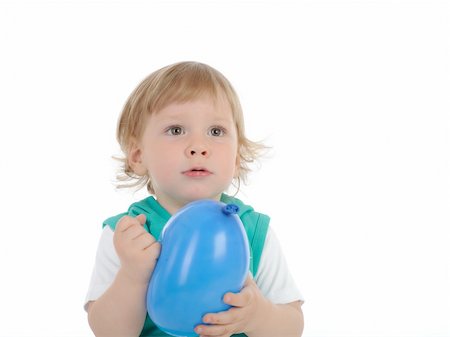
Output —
<point x="141" y="218"/>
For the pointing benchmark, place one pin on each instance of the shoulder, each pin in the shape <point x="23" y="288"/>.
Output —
<point x="112" y="221"/>
<point x="144" y="206"/>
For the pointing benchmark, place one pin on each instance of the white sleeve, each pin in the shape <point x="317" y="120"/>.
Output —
<point x="106" y="266"/>
<point x="273" y="277"/>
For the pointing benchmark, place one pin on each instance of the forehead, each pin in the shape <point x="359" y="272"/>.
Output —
<point x="202" y="106"/>
<point x="186" y="91"/>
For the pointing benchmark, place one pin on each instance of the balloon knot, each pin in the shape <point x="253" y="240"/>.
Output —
<point x="230" y="209"/>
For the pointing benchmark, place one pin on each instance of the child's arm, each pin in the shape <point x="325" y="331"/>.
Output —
<point x="121" y="310"/>
<point x="254" y="315"/>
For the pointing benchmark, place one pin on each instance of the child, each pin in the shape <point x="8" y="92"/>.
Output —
<point x="182" y="133"/>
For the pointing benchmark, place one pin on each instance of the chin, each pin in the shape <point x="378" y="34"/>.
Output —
<point x="198" y="195"/>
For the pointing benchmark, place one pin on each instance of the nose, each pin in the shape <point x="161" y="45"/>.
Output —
<point x="193" y="151"/>
<point x="197" y="148"/>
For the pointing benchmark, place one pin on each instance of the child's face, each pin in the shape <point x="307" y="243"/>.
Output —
<point x="189" y="150"/>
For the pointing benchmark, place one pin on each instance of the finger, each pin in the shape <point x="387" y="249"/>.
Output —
<point x="213" y="330"/>
<point x="240" y="299"/>
<point x="222" y="318"/>
<point x="127" y="221"/>
<point x="141" y="218"/>
<point x="124" y="223"/>
<point x="144" y="240"/>
<point x="132" y="232"/>
<point x="154" y="250"/>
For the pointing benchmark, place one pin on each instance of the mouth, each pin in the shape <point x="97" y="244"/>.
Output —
<point x="197" y="172"/>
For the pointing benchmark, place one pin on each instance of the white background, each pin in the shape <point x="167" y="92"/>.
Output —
<point x="353" y="97"/>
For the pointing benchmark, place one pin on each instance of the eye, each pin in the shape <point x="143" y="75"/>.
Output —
<point x="175" y="130"/>
<point x="217" y="131"/>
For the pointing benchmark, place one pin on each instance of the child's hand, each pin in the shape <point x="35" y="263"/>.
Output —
<point x="137" y="249"/>
<point x="250" y="308"/>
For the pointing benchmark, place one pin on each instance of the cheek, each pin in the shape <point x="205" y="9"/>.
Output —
<point x="157" y="159"/>
<point x="231" y="159"/>
<point x="160" y="159"/>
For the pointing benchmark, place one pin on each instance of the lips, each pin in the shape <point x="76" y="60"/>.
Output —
<point x="197" y="172"/>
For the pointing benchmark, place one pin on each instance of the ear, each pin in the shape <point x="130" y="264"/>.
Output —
<point x="135" y="159"/>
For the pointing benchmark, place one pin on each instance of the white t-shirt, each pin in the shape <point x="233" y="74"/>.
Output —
<point x="273" y="277"/>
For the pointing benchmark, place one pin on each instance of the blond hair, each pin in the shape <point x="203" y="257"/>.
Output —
<point x="179" y="82"/>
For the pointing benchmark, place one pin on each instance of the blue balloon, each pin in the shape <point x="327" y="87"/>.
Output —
<point x="204" y="255"/>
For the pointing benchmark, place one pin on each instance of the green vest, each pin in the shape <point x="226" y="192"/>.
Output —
<point x="255" y="224"/>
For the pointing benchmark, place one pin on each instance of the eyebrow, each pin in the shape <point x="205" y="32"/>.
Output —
<point x="174" y="116"/>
